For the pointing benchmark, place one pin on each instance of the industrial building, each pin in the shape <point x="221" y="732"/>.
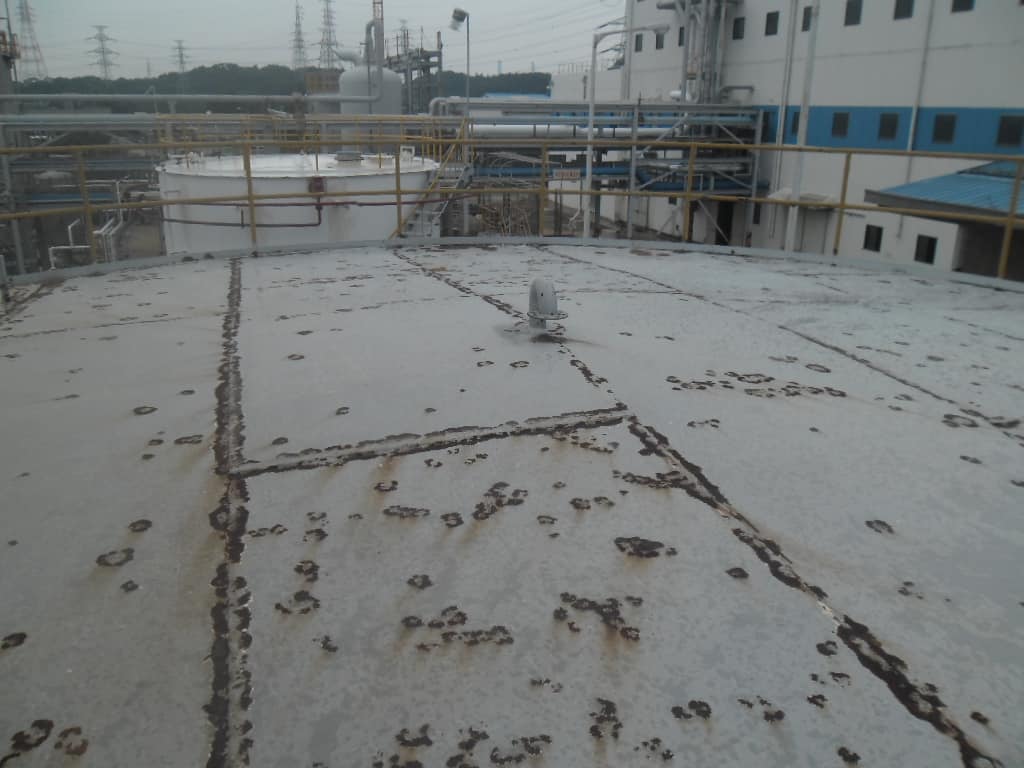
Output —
<point x="916" y="75"/>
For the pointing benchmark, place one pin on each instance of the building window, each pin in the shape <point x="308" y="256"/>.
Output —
<point x="659" y="40"/>
<point x="805" y="23"/>
<point x="872" y="238"/>
<point x="638" y="42"/>
<point x="853" y="9"/>
<point x="771" y="24"/>
<point x="795" y="122"/>
<point x="904" y="9"/>
<point x="888" y="125"/>
<point x="944" y="129"/>
<point x="963" y="5"/>
<point x="840" y="124"/>
<point x="757" y="213"/>
<point x="738" y="25"/>
<point x="925" y="250"/>
<point x="1011" y="131"/>
<point x="682" y="36"/>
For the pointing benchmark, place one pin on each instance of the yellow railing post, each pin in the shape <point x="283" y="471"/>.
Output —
<point x="398" y="191"/>
<point x="83" y="191"/>
<point x="842" y="202"/>
<point x="1011" y="218"/>
<point x="250" y="194"/>
<point x="543" y="202"/>
<point x="688" y="196"/>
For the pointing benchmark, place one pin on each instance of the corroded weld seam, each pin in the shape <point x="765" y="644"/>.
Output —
<point x="231" y="693"/>
<point x="869" y="651"/>
<point x="405" y="444"/>
<point x="98" y="326"/>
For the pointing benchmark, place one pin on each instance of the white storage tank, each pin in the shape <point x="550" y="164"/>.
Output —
<point x="202" y="228"/>
<point x="360" y="82"/>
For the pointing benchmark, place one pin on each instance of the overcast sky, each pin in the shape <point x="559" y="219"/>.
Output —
<point x="518" y="33"/>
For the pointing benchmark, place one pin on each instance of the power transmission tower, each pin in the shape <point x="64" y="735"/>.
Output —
<point x="32" y="63"/>
<point x="104" y="54"/>
<point x="328" y="38"/>
<point x="298" y="41"/>
<point x="179" y="60"/>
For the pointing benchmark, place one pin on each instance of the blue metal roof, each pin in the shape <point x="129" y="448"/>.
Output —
<point x="987" y="187"/>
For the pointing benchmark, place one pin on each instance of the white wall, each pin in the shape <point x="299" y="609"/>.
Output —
<point x="975" y="60"/>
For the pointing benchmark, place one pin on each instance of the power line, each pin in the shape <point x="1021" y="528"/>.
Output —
<point x="103" y="52"/>
<point x="298" y="42"/>
<point x="328" y="38"/>
<point x="32" y="63"/>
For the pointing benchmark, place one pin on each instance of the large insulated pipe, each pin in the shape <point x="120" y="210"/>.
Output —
<point x="805" y="114"/>
<point x="780" y="134"/>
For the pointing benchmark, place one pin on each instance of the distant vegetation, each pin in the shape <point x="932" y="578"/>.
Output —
<point x="271" y="79"/>
<point x="454" y="83"/>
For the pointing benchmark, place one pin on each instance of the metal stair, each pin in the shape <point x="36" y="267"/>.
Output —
<point x="426" y="218"/>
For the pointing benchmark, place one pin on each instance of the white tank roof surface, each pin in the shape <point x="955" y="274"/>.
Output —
<point x="347" y="508"/>
<point x="287" y="166"/>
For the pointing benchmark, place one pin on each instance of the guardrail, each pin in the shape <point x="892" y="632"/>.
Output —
<point x="440" y="138"/>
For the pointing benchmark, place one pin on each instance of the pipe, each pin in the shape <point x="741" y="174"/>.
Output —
<point x="55" y="248"/>
<point x="71" y="227"/>
<point x="542" y="131"/>
<point x="720" y="60"/>
<point x="805" y="108"/>
<point x="780" y="133"/>
<point x="915" y="112"/>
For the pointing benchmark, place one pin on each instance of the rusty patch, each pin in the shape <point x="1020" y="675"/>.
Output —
<point x="138" y="526"/>
<point x="308" y="569"/>
<point x="419" y="581"/>
<point x="605" y="720"/>
<point x="496" y="498"/>
<point x="405" y="513"/>
<point x="116" y="558"/>
<point x="406" y="739"/>
<point x="70" y="742"/>
<point x="302" y="602"/>
<point x="12" y="640"/>
<point x="31" y="737"/>
<point x="848" y="757"/>
<point x="879" y="526"/>
<point x="634" y="546"/>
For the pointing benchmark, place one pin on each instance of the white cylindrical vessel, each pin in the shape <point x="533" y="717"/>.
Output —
<point x="344" y="212"/>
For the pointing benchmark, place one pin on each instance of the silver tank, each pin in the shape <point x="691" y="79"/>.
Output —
<point x="357" y="81"/>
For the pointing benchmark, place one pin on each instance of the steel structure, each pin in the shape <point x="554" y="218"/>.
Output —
<point x="298" y="41"/>
<point x="104" y="53"/>
<point x="33" y="65"/>
<point x="328" y="37"/>
<point x="421" y="68"/>
<point x="706" y="154"/>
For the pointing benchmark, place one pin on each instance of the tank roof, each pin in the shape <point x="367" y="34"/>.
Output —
<point x="337" y="506"/>
<point x="277" y="166"/>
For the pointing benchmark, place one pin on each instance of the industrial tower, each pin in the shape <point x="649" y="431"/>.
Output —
<point x="179" y="61"/>
<point x="298" y="42"/>
<point x="104" y="54"/>
<point x="32" y="63"/>
<point x="328" y="38"/>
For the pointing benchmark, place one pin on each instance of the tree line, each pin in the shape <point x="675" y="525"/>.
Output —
<point x="259" y="81"/>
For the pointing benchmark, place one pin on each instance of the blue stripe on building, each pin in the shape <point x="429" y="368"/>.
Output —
<point x="976" y="129"/>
